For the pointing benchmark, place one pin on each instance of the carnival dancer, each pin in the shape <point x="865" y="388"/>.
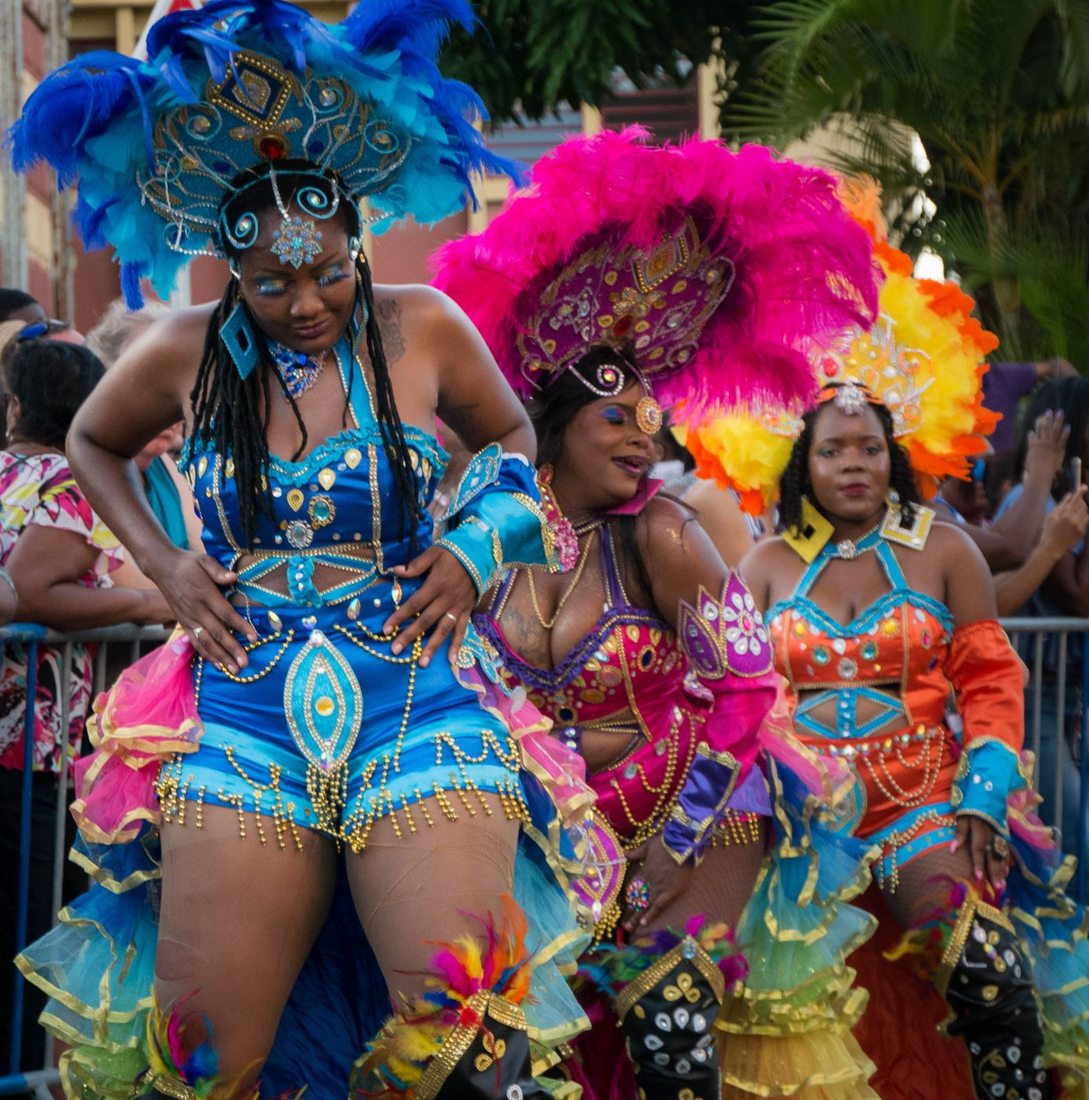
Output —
<point x="628" y="275"/>
<point x="878" y="614"/>
<point x="323" y="697"/>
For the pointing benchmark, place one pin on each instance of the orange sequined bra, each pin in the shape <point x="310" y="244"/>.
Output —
<point x="891" y="655"/>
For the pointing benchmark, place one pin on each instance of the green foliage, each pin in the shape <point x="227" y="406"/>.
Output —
<point x="530" y="56"/>
<point x="997" y="92"/>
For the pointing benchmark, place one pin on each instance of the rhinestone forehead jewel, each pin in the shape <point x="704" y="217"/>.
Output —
<point x="297" y="241"/>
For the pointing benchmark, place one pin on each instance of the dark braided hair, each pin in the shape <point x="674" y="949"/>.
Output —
<point x="227" y="409"/>
<point x="51" y="379"/>
<point x="795" y="484"/>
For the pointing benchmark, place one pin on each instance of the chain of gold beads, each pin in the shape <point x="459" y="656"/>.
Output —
<point x="358" y="827"/>
<point x="931" y="769"/>
<point x="891" y="845"/>
<point x="665" y="795"/>
<point x="737" y="827"/>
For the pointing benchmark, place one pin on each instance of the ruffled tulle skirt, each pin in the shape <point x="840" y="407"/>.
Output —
<point x="788" y="1029"/>
<point x="97" y="964"/>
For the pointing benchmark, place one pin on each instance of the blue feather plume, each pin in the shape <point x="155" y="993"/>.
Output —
<point x="96" y="120"/>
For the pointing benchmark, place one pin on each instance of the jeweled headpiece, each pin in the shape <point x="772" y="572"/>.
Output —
<point x="714" y="274"/>
<point x="236" y="88"/>
<point x="923" y="359"/>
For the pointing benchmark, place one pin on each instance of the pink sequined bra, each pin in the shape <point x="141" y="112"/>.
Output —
<point x="595" y="684"/>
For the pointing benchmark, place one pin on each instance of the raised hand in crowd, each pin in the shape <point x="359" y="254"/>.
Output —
<point x="1064" y="527"/>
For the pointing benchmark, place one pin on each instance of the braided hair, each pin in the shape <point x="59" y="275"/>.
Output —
<point x="227" y="408"/>
<point x="795" y="484"/>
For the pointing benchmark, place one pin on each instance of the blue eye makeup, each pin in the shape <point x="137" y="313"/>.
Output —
<point x="270" y="289"/>
<point x="614" y="414"/>
<point x="331" y="277"/>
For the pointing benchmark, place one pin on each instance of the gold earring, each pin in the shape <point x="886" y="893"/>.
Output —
<point x="813" y="531"/>
<point x="915" y="536"/>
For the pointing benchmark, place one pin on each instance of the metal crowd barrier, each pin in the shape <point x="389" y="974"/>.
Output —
<point x="128" y="640"/>
<point x="1044" y="643"/>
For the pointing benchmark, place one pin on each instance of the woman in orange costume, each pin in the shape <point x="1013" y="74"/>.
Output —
<point x="878" y="616"/>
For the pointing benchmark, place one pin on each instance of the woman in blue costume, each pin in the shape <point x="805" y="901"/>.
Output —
<point x="302" y="796"/>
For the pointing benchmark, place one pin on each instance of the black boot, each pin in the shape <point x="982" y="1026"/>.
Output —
<point x="484" y="1055"/>
<point x="987" y="982"/>
<point x="490" y="1060"/>
<point x="667" y="1015"/>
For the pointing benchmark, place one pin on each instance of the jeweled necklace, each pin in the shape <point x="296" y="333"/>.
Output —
<point x="298" y="370"/>
<point x="848" y="549"/>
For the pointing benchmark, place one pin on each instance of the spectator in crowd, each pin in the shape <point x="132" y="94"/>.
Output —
<point x="167" y="491"/>
<point x="59" y="557"/>
<point x="1007" y="542"/>
<point x="1006" y="384"/>
<point x="1064" y="528"/>
<point x="1064" y="591"/>
<point x="17" y="305"/>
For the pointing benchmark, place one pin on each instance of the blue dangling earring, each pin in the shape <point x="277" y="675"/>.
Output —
<point x="239" y="340"/>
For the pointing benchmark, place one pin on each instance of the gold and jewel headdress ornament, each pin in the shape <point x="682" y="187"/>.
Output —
<point x="924" y="359"/>
<point x="237" y="90"/>
<point x="709" y="274"/>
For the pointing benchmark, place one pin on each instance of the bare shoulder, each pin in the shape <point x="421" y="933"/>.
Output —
<point x="172" y="347"/>
<point x="410" y="314"/>
<point x="951" y="542"/>
<point x="766" y="562"/>
<point x="664" y="521"/>
<point x="416" y="304"/>
<point x="769" y="555"/>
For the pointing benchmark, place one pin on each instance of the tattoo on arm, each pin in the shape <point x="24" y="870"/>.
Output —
<point x="389" y="327"/>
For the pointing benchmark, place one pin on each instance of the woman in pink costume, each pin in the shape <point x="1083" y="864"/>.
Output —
<point x="626" y="276"/>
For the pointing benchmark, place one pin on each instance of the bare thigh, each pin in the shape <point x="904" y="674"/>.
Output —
<point x="426" y="886"/>
<point x="238" y="919"/>
<point x="925" y="883"/>
<point x="720" y="886"/>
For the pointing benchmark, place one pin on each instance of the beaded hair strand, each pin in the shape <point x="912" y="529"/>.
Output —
<point x="389" y="419"/>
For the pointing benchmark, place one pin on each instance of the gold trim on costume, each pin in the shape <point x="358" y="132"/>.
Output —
<point x="676" y="957"/>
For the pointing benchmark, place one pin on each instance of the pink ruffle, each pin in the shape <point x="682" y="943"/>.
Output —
<point x="148" y="715"/>
<point x="562" y="771"/>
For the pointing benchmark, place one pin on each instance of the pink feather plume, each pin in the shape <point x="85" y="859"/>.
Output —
<point x="804" y="268"/>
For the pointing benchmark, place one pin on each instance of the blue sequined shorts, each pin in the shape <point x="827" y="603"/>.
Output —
<point x="326" y="729"/>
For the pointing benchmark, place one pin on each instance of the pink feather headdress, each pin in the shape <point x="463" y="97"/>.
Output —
<point x="719" y="274"/>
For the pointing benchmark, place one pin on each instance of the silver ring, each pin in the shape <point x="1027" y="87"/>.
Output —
<point x="451" y="616"/>
<point x="197" y="632"/>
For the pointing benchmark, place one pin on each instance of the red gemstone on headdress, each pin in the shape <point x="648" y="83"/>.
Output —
<point x="271" y="148"/>
<point x="621" y="327"/>
<point x="830" y="367"/>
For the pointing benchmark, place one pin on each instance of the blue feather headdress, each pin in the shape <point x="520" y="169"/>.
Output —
<point x="154" y="148"/>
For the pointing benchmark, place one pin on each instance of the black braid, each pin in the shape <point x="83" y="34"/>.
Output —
<point x="794" y="484"/>
<point x="389" y="419"/>
<point x="227" y="414"/>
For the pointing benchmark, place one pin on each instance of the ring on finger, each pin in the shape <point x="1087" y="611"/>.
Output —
<point x="637" y="894"/>
<point x="197" y="632"/>
<point x="1000" y="847"/>
<point x="451" y="616"/>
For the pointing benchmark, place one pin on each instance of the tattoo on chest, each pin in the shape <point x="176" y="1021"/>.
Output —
<point x="389" y="326"/>
<point x="525" y="636"/>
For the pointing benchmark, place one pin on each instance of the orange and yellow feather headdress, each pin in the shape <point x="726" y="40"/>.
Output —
<point x="924" y="358"/>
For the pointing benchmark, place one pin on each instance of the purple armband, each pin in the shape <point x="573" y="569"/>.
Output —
<point x="701" y="803"/>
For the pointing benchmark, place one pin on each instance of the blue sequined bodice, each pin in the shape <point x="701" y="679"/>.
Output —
<point x="341" y="493"/>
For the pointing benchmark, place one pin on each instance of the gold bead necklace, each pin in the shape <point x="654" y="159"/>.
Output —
<point x="548" y="624"/>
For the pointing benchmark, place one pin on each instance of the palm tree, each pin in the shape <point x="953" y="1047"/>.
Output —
<point x="997" y="92"/>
